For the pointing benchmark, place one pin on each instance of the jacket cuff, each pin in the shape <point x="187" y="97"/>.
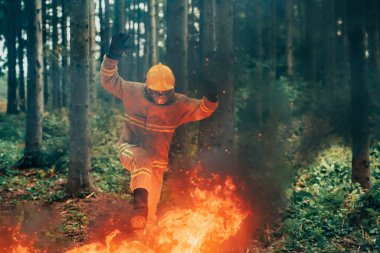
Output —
<point x="110" y="60"/>
<point x="209" y="104"/>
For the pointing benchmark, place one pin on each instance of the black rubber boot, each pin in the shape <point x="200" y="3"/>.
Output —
<point x="140" y="208"/>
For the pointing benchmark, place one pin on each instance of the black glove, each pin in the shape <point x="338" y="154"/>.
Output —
<point x="211" y="91"/>
<point x="119" y="45"/>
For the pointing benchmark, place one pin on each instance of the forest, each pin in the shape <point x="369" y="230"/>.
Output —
<point x="275" y="107"/>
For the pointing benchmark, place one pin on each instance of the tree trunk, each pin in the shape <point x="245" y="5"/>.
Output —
<point x="342" y="61"/>
<point x="65" y="55"/>
<point x="103" y="43"/>
<point x="136" y="75"/>
<point x="79" y="166"/>
<point x="254" y="105"/>
<point x="92" y="52"/>
<point x="119" y="27"/>
<point x="359" y="95"/>
<point x="372" y="28"/>
<point x="177" y="42"/>
<point x="11" y="32"/>
<point x="208" y="47"/>
<point x="55" y="72"/>
<point x="272" y="50"/>
<point x="310" y="62"/>
<point x="289" y="38"/>
<point x="177" y="57"/>
<point x="152" y="31"/>
<point x="329" y="40"/>
<point x="106" y="39"/>
<point x="147" y="34"/>
<point x="45" y="46"/>
<point x="21" y="45"/>
<point x="34" y="116"/>
<point x="194" y="61"/>
<point x="218" y="130"/>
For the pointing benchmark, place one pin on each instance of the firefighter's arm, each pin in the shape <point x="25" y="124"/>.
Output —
<point x="198" y="109"/>
<point x="111" y="81"/>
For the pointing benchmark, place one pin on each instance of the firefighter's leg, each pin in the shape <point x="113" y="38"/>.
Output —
<point x="138" y="162"/>
<point x="154" y="196"/>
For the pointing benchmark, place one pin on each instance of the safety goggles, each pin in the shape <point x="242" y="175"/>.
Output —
<point x="155" y="94"/>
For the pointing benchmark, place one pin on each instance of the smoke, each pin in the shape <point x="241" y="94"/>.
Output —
<point x="108" y="212"/>
<point x="30" y="224"/>
<point x="217" y="162"/>
<point x="261" y="188"/>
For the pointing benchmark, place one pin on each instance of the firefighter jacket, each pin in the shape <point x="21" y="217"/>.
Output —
<point x="147" y="124"/>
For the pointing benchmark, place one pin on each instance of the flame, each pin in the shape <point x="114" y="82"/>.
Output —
<point x="216" y="216"/>
<point x="20" y="242"/>
<point x="122" y="247"/>
<point x="213" y="215"/>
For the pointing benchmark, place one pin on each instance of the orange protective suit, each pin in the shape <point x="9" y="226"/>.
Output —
<point x="148" y="130"/>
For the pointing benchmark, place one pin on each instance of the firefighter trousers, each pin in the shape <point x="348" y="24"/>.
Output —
<point x="139" y="163"/>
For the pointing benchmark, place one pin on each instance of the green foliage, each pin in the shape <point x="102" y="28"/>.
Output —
<point x="326" y="212"/>
<point x="47" y="184"/>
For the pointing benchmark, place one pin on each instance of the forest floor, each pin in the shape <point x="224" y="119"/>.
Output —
<point x="325" y="212"/>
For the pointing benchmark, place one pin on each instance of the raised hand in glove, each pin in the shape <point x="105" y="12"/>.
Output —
<point x="211" y="91"/>
<point x="119" y="45"/>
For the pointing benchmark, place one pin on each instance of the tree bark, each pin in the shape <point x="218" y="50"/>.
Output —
<point x="34" y="116"/>
<point x="208" y="51"/>
<point x="119" y="27"/>
<point x="131" y="33"/>
<point x="152" y="31"/>
<point x="65" y="55"/>
<point x="11" y="34"/>
<point x="217" y="132"/>
<point x="55" y="71"/>
<point x="359" y="95"/>
<point x="45" y="46"/>
<point x="329" y="44"/>
<point x="147" y="34"/>
<point x="79" y="166"/>
<point x="194" y="57"/>
<point x="254" y="12"/>
<point x="103" y="43"/>
<point x="289" y="38"/>
<point x="342" y="58"/>
<point x="21" y="45"/>
<point x="177" y="42"/>
<point x="177" y="57"/>
<point x="137" y="73"/>
<point x="372" y="28"/>
<point x="310" y="62"/>
<point x="107" y="30"/>
<point x="92" y="52"/>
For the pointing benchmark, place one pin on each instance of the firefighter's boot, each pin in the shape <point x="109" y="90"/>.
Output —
<point x="140" y="209"/>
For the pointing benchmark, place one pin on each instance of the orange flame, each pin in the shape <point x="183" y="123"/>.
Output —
<point x="216" y="214"/>
<point x="122" y="247"/>
<point x="20" y="242"/>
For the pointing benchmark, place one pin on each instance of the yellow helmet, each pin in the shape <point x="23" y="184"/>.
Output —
<point x="160" y="78"/>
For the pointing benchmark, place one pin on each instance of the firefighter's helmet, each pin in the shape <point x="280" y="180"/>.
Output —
<point x="160" y="78"/>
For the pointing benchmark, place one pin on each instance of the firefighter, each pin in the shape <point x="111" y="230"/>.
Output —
<point x="152" y="113"/>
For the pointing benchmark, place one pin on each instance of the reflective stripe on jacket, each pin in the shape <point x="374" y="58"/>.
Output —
<point x="147" y="124"/>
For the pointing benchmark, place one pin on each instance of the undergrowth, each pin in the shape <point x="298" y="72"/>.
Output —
<point x="47" y="183"/>
<point x="326" y="212"/>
